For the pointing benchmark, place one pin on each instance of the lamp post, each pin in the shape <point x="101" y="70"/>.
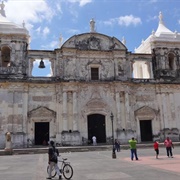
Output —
<point x="113" y="148"/>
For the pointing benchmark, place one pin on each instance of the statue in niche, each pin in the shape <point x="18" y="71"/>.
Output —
<point x="120" y="69"/>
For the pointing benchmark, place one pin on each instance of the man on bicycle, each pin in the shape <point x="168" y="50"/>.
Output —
<point x="53" y="154"/>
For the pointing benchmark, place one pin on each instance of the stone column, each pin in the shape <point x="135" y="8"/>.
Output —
<point x="172" y="114"/>
<point x="53" y="72"/>
<point x="132" y="70"/>
<point x="24" y="112"/>
<point x="0" y="58"/>
<point x="75" y="114"/>
<point x="118" y="110"/>
<point x="159" y="102"/>
<point x="127" y="111"/>
<point x="164" y="102"/>
<point x="64" y="114"/>
<point x="31" y="66"/>
<point x="151" y="70"/>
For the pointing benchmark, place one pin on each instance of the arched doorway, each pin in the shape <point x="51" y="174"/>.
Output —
<point x="96" y="127"/>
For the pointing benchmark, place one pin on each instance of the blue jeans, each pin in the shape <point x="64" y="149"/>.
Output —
<point x="134" y="153"/>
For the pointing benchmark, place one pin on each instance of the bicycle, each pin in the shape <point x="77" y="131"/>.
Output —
<point x="66" y="169"/>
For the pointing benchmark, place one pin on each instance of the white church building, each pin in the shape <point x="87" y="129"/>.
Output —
<point x="93" y="75"/>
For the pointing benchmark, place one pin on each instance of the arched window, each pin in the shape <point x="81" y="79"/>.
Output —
<point x="171" y="61"/>
<point x="5" y="56"/>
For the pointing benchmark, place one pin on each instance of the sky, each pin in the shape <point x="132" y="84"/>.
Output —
<point x="48" y="21"/>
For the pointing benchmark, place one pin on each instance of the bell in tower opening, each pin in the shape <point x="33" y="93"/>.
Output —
<point x="41" y="64"/>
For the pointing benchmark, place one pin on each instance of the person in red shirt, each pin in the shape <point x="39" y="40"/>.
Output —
<point x="156" y="148"/>
<point x="169" y="145"/>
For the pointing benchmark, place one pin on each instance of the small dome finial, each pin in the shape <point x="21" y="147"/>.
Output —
<point x="23" y="24"/>
<point x="123" y="40"/>
<point x="160" y="18"/>
<point x="60" y="40"/>
<point x="153" y="32"/>
<point x="2" y="12"/>
<point x="92" y="25"/>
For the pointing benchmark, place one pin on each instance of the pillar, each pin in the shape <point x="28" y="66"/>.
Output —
<point x="64" y="114"/>
<point x="127" y="110"/>
<point x="118" y="110"/>
<point x="31" y="66"/>
<point x="75" y="114"/>
<point x="53" y="72"/>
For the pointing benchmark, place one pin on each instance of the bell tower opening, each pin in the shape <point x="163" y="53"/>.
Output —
<point x="171" y="61"/>
<point x="5" y="56"/>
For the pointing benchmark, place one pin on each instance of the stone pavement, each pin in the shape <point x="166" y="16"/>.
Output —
<point x="96" y="165"/>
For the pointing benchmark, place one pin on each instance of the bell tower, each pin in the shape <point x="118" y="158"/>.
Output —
<point x="165" y="46"/>
<point x="14" y="41"/>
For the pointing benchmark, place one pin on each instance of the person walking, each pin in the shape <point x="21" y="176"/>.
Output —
<point x="53" y="154"/>
<point x="117" y="145"/>
<point x="132" y="143"/>
<point x="156" y="148"/>
<point x="94" y="140"/>
<point x="169" y="145"/>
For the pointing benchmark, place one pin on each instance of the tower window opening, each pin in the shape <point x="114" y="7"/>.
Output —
<point x="171" y="61"/>
<point x="5" y="56"/>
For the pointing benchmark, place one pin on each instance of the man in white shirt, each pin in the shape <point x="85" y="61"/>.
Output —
<point x="94" y="140"/>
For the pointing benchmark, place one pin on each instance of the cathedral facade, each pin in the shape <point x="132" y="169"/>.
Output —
<point x="96" y="83"/>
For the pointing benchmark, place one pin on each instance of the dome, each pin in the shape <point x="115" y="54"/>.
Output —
<point x="8" y="27"/>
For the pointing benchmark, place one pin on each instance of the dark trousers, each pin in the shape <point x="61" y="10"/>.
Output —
<point x="134" y="153"/>
<point x="169" y="151"/>
<point x="117" y="148"/>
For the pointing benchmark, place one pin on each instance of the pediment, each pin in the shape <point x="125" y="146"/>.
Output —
<point x="94" y="41"/>
<point x="96" y="103"/>
<point x="42" y="112"/>
<point x="145" y="112"/>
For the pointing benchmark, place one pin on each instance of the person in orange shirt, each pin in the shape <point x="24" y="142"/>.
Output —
<point x="169" y="145"/>
<point x="156" y="148"/>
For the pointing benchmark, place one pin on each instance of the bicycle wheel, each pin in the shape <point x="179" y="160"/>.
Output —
<point x="67" y="171"/>
<point x="53" y="173"/>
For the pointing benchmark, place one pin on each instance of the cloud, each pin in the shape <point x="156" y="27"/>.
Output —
<point x="124" y="21"/>
<point x="29" y="11"/>
<point x="73" y="31"/>
<point x="46" y="31"/>
<point x="153" y="1"/>
<point x="81" y="2"/>
<point x="51" y="45"/>
<point x="38" y="30"/>
<point x="128" y="20"/>
<point x="111" y="22"/>
<point x="152" y="18"/>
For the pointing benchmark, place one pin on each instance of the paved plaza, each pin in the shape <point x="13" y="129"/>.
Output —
<point x="96" y="165"/>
